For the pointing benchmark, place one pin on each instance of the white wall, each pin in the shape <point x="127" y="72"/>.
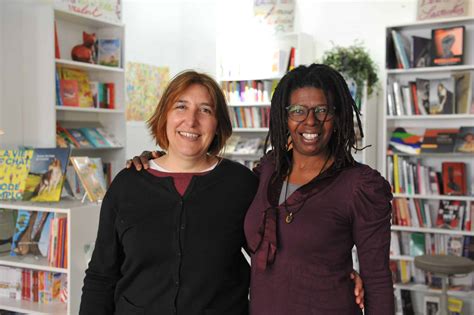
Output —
<point x="179" y="34"/>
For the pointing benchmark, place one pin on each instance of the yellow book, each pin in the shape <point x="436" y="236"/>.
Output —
<point x="14" y="167"/>
<point x="396" y="172"/>
<point x="82" y="78"/>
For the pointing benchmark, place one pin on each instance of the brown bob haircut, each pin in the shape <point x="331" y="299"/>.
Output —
<point x="176" y="87"/>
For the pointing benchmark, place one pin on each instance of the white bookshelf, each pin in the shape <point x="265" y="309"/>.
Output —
<point x="82" y="224"/>
<point x="434" y="160"/>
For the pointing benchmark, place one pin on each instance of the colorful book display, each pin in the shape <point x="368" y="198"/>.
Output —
<point x="14" y="166"/>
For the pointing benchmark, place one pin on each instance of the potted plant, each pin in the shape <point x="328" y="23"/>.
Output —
<point x="355" y="63"/>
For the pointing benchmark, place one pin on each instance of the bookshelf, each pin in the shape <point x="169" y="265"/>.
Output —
<point x="82" y="223"/>
<point x="416" y="119"/>
<point x="28" y="103"/>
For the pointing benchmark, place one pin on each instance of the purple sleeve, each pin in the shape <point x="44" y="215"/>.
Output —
<point x="371" y="230"/>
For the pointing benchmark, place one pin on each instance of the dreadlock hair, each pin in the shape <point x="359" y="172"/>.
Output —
<point x="338" y="96"/>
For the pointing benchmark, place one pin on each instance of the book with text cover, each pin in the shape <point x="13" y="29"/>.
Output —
<point x="46" y="176"/>
<point x="454" y="178"/>
<point x="89" y="175"/>
<point x="439" y="140"/>
<point x="14" y="167"/>
<point x="82" y="79"/>
<point x="465" y="140"/>
<point x="31" y="233"/>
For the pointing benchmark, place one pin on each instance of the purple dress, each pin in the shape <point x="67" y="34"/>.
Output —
<point x="303" y="268"/>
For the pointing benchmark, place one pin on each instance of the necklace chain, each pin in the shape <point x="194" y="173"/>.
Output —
<point x="290" y="215"/>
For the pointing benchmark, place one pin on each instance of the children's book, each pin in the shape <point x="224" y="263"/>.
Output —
<point x="46" y="176"/>
<point x="94" y="137"/>
<point x="82" y="79"/>
<point x="109" y="52"/>
<point x="465" y="140"/>
<point x="69" y="92"/>
<point x="14" y="167"/>
<point x="77" y="134"/>
<point x="91" y="176"/>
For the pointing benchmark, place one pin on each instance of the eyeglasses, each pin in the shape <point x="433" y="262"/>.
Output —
<point x="300" y="112"/>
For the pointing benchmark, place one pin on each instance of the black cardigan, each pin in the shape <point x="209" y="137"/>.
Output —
<point x="160" y="253"/>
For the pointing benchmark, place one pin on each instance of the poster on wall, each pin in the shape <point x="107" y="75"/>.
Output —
<point x="279" y="15"/>
<point x="144" y="86"/>
<point x="439" y="9"/>
<point x="109" y="10"/>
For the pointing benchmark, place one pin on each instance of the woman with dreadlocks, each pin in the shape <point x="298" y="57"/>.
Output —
<point x="314" y="203"/>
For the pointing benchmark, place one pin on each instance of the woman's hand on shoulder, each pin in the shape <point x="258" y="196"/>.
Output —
<point x="358" y="288"/>
<point x="142" y="161"/>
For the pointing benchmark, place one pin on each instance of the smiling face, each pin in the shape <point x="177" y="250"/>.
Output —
<point x="310" y="137"/>
<point x="191" y="124"/>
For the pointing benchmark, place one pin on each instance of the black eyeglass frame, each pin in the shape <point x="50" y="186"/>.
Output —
<point x="330" y="111"/>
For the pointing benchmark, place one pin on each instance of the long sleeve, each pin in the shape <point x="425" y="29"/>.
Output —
<point x="104" y="268"/>
<point x="371" y="231"/>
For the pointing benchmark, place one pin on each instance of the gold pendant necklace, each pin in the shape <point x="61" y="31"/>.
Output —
<point x="289" y="218"/>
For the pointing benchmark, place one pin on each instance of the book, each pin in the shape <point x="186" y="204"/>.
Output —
<point x="463" y="91"/>
<point x="82" y="78"/>
<point x="417" y="244"/>
<point x="94" y="137"/>
<point x="14" y="167"/>
<point x="423" y="94"/>
<point x="402" y="48"/>
<point x="89" y="176"/>
<point x="449" y="214"/>
<point x="46" y="176"/>
<point x="407" y="303"/>
<point x="7" y="227"/>
<point x="109" y="52"/>
<point x="442" y="96"/>
<point x="454" y="178"/>
<point x="455" y="245"/>
<point x="465" y="140"/>
<point x="69" y="92"/>
<point x="80" y="139"/>
<point x="439" y="140"/>
<point x="406" y="140"/>
<point x="447" y="46"/>
<point x="431" y="305"/>
<point x="421" y="52"/>
<point x="94" y="86"/>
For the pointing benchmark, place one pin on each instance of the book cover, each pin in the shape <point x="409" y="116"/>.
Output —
<point x="447" y="46"/>
<point x="442" y="96"/>
<point x="465" y="140"/>
<point x="423" y="94"/>
<point x="109" y="52"/>
<point x="417" y="244"/>
<point x="421" y="52"/>
<point x="463" y="91"/>
<point x="431" y="305"/>
<point x="455" y="245"/>
<point x="46" y="176"/>
<point x="94" y="137"/>
<point x="449" y="214"/>
<point x="454" y="178"/>
<point x="7" y="227"/>
<point x="94" y="86"/>
<point x="14" y="167"/>
<point x="406" y="140"/>
<point x="69" y="92"/>
<point x="88" y="172"/>
<point x="439" y="140"/>
<point x="82" y="78"/>
<point x="79" y="137"/>
<point x="402" y="49"/>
